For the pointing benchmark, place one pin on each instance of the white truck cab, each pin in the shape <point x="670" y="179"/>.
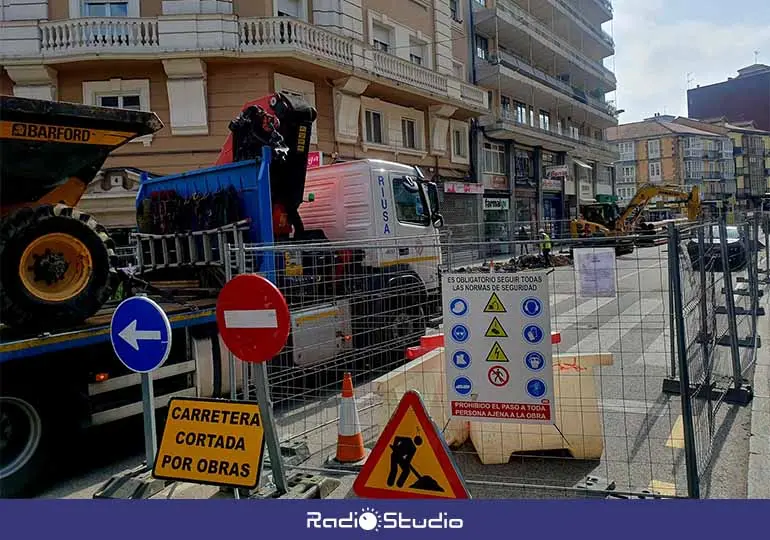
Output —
<point x="371" y="201"/>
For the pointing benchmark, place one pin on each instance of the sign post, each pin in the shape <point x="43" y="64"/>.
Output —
<point x="254" y="322"/>
<point x="498" y="347"/>
<point x="140" y="333"/>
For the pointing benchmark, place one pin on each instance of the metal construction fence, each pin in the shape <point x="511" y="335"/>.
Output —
<point x="654" y="352"/>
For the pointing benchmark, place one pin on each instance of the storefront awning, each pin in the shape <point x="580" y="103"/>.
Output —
<point x="581" y="163"/>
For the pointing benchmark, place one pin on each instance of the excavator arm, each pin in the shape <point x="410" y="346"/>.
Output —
<point x="628" y="219"/>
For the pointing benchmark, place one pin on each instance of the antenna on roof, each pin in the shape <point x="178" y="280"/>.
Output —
<point x="690" y="79"/>
<point x="756" y="56"/>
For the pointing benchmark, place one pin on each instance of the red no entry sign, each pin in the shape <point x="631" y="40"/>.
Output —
<point x="253" y="318"/>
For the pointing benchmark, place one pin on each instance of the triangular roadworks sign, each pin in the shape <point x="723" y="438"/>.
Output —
<point x="410" y="460"/>
<point x="497" y="354"/>
<point x="496" y="329"/>
<point x="494" y="305"/>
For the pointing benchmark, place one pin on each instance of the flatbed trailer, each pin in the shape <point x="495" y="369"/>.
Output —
<point x="15" y="344"/>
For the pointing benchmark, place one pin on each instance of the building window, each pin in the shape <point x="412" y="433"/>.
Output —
<point x="654" y="170"/>
<point x="381" y="37"/>
<point x="301" y="89"/>
<point x="290" y="8"/>
<point x="416" y="51"/>
<point x="459" y="142"/>
<point x="545" y="120"/>
<point x="628" y="173"/>
<point x="494" y="158"/>
<point x="573" y="132"/>
<point x="124" y="101"/>
<point x="653" y="149"/>
<point x="104" y="9"/>
<point x="525" y="164"/>
<point x="374" y="132"/>
<point x="455" y="7"/>
<point x="505" y="103"/>
<point x="626" y="150"/>
<point x="482" y="47"/>
<point x="133" y="94"/>
<point x="408" y="133"/>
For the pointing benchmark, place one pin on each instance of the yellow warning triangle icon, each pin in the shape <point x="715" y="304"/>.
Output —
<point x="496" y="329"/>
<point x="494" y="305"/>
<point x="496" y="354"/>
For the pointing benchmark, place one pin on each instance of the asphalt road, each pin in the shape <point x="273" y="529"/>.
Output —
<point x="643" y="447"/>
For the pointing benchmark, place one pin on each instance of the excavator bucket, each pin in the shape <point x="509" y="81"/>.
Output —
<point x="45" y="143"/>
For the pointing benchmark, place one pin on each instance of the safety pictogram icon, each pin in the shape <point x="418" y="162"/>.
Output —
<point x="496" y="329"/>
<point x="498" y="376"/>
<point x="494" y="305"/>
<point x="411" y="459"/>
<point x="496" y="354"/>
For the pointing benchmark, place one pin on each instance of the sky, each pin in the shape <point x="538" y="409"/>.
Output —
<point x="657" y="43"/>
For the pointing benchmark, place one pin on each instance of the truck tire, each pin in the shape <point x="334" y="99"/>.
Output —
<point x="23" y="446"/>
<point x="56" y="267"/>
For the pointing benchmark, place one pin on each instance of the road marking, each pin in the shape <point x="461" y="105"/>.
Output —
<point x="251" y="318"/>
<point x="667" y="489"/>
<point x="676" y="439"/>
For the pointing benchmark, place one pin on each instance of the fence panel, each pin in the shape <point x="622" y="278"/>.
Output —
<point x="634" y="328"/>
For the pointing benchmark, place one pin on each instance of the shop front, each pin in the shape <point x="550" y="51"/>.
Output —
<point x="525" y="210"/>
<point x="460" y="207"/>
<point x="554" y="218"/>
<point x="497" y="228"/>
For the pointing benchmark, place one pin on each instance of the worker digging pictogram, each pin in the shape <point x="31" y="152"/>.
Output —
<point x="402" y="452"/>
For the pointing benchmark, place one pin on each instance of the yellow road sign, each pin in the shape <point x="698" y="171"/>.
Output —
<point x="410" y="459"/>
<point x="211" y="441"/>
<point x="496" y="329"/>
<point x="496" y="354"/>
<point x="494" y="305"/>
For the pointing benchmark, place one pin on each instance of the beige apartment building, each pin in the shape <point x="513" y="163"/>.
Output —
<point x="674" y="151"/>
<point x="388" y="78"/>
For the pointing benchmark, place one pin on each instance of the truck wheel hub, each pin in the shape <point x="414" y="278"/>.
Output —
<point x="55" y="267"/>
<point x="50" y="267"/>
<point x="20" y="432"/>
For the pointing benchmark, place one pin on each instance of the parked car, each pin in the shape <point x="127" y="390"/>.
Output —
<point x="737" y="251"/>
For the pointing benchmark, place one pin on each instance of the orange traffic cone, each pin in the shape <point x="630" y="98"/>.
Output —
<point x="351" y="452"/>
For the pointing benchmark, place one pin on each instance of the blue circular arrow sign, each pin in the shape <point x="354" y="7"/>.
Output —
<point x="141" y="334"/>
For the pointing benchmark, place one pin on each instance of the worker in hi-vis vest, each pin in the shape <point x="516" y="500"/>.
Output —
<point x="545" y="247"/>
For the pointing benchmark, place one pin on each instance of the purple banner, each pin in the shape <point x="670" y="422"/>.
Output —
<point x="308" y="519"/>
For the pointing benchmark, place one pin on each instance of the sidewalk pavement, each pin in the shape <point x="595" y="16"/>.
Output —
<point x="759" y="441"/>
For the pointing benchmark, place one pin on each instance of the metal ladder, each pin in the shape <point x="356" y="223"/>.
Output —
<point x="192" y="248"/>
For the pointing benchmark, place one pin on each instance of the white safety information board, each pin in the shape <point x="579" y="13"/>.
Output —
<point x="497" y="341"/>
<point x="595" y="270"/>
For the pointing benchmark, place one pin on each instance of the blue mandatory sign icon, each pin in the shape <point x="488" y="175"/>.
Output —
<point x="140" y="334"/>
<point x="534" y="361"/>
<point x="458" y="307"/>
<point x="461" y="359"/>
<point x="536" y="388"/>
<point x="460" y="333"/>
<point x="532" y="307"/>
<point x="533" y="334"/>
<point x="463" y="386"/>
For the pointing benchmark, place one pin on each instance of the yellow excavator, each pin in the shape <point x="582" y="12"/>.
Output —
<point x="606" y="219"/>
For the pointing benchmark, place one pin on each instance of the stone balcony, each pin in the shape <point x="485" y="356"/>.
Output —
<point x="71" y="40"/>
